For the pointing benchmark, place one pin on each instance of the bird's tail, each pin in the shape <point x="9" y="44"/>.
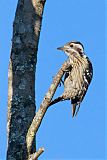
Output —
<point x="75" y="109"/>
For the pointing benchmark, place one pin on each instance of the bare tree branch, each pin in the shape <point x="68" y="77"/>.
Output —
<point x="35" y="155"/>
<point x="44" y="106"/>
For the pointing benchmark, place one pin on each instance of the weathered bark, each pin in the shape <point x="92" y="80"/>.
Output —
<point x="21" y="80"/>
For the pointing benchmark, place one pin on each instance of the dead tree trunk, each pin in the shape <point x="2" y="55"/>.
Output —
<point x="21" y="76"/>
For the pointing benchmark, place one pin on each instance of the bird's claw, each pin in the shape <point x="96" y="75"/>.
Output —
<point x="61" y="82"/>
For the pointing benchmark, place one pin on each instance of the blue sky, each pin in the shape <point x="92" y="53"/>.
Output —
<point x="64" y="138"/>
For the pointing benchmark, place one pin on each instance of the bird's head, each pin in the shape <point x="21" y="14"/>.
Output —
<point x="73" y="48"/>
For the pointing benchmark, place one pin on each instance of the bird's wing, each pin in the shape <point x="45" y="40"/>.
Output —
<point x="89" y="71"/>
<point x="88" y="74"/>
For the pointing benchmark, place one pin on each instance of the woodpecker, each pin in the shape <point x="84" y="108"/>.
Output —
<point x="77" y="77"/>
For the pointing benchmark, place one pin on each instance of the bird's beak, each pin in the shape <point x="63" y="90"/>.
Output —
<point x="60" y="48"/>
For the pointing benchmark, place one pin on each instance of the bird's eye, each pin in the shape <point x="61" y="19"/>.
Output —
<point x="71" y="45"/>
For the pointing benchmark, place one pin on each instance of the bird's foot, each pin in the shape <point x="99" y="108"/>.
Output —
<point x="61" y="82"/>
